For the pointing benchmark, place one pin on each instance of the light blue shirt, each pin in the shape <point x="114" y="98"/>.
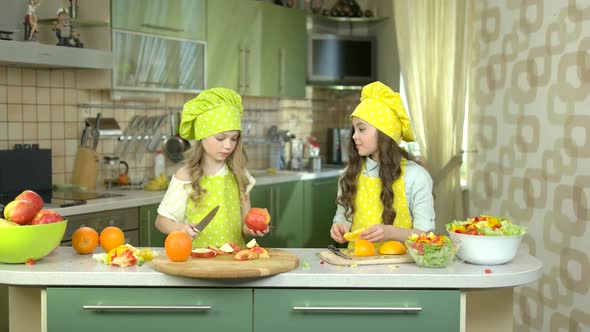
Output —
<point x="418" y="184"/>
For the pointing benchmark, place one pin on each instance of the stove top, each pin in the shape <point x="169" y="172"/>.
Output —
<point x="60" y="198"/>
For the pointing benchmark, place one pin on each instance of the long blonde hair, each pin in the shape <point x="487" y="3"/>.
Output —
<point x="236" y="163"/>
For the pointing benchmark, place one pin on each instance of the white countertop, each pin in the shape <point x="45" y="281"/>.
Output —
<point x="64" y="267"/>
<point x="136" y="198"/>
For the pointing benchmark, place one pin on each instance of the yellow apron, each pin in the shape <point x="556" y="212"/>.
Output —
<point x="226" y="226"/>
<point x="368" y="205"/>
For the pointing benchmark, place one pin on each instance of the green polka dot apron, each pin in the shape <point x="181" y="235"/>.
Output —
<point x="368" y="205"/>
<point x="226" y="226"/>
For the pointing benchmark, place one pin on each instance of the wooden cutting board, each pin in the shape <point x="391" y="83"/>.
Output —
<point x="223" y="266"/>
<point x="332" y="258"/>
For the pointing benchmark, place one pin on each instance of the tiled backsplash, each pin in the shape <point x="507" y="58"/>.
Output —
<point x="43" y="106"/>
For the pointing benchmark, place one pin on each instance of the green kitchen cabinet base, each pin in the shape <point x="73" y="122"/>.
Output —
<point x="148" y="309"/>
<point x="320" y="208"/>
<point x="149" y="235"/>
<point x="357" y="310"/>
<point x="478" y="310"/>
<point x="284" y="202"/>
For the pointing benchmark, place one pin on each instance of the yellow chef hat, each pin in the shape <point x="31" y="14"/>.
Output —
<point x="383" y="108"/>
<point x="213" y="111"/>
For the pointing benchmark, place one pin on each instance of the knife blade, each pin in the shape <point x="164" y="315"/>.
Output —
<point x="205" y="221"/>
<point x="338" y="252"/>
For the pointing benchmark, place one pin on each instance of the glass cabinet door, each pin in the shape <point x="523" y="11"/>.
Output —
<point x="155" y="63"/>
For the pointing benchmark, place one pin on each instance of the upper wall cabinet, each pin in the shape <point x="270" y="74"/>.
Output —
<point x="256" y="48"/>
<point x="174" y="18"/>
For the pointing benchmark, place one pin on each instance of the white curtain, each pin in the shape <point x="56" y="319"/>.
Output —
<point x="435" y="46"/>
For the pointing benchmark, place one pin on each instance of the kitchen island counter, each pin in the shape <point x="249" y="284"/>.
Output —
<point x="64" y="267"/>
<point x="70" y="292"/>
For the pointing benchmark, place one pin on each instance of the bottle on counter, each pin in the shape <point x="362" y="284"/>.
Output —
<point x="159" y="163"/>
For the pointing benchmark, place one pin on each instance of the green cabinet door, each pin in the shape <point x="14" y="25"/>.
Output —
<point x="149" y="235"/>
<point x="356" y="310"/>
<point x="293" y="53"/>
<point x="174" y="18"/>
<point x="284" y="202"/>
<point x="233" y="36"/>
<point x="148" y="309"/>
<point x="320" y="207"/>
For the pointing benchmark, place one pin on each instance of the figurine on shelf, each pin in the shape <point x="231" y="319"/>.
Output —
<point x="31" y="20"/>
<point x="64" y="31"/>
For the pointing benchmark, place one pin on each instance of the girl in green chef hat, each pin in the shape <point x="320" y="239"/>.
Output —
<point x="383" y="190"/>
<point x="214" y="173"/>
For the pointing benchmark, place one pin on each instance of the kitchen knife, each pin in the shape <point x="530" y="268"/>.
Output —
<point x="338" y="252"/>
<point x="205" y="221"/>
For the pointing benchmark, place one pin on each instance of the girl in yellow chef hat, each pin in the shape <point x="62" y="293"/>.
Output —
<point x="214" y="173"/>
<point x="383" y="190"/>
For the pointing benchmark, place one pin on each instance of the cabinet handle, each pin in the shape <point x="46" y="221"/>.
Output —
<point x="317" y="184"/>
<point x="359" y="309"/>
<point x="247" y="73"/>
<point x="146" y="307"/>
<point x="281" y="69"/>
<point x="149" y="228"/>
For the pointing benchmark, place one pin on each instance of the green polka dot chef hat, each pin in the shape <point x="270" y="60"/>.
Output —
<point x="211" y="112"/>
<point x="382" y="108"/>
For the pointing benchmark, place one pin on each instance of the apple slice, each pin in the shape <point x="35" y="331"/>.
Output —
<point x="261" y="252"/>
<point x="245" y="255"/>
<point x="227" y="248"/>
<point x="203" y="253"/>
<point x="217" y="251"/>
<point x="252" y="244"/>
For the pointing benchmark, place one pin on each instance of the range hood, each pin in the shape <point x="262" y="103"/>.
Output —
<point x="32" y="54"/>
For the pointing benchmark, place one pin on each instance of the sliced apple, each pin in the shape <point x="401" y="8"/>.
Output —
<point x="261" y="252"/>
<point x="217" y="250"/>
<point x="227" y="248"/>
<point x="203" y="253"/>
<point x="252" y="244"/>
<point x="234" y="246"/>
<point x="245" y="255"/>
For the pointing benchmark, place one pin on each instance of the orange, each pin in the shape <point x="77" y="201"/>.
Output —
<point x="85" y="240"/>
<point x="353" y="236"/>
<point x="178" y="246"/>
<point x="392" y="248"/>
<point x="111" y="237"/>
<point x="363" y="247"/>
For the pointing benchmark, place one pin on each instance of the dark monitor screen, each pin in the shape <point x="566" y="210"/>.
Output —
<point x="337" y="59"/>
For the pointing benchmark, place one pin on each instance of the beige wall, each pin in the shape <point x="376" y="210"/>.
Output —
<point x="531" y="128"/>
<point x="43" y="106"/>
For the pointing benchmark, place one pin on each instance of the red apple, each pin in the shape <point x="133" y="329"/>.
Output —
<point x="33" y="197"/>
<point x="217" y="250"/>
<point x="257" y="219"/>
<point x="46" y="216"/>
<point x="20" y="212"/>
<point x="203" y="253"/>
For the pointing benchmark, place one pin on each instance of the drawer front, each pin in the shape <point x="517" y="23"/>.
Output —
<point x="357" y="310"/>
<point x="125" y="219"/>
<point x="148" y="309"/>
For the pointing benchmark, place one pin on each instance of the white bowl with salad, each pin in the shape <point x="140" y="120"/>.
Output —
<point x="486" y="240"/>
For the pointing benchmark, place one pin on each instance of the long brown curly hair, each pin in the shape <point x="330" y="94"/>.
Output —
<point x="390" y="156"/>
<point x="236" y="163"/>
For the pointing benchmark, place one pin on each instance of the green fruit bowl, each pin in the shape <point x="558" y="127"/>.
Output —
<point x="21" y="243"/>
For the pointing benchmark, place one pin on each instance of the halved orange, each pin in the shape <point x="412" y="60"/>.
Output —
<point x="353" y="236"/>
<point x="392" y="248"/>
<point x="363" y="247"/>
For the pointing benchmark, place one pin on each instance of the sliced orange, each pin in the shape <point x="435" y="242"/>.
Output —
<point x="363" y="247"/>
<point x="353" y="236"/>
<point x="392" y="248"/>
